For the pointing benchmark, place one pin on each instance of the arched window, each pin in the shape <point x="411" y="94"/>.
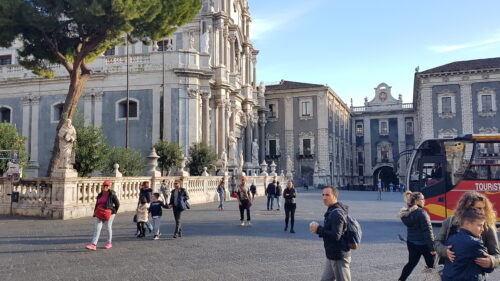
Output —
<point x="133" y="109"/>
<point x="57" y="111"/>
<point x="5" y="114"/>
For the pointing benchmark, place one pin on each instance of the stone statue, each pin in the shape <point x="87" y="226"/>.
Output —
<point x="205" y="41"/>
<point x="67" y="138"/>
<point x="223" y="159"/>
<point x="255" y="152"/>
<point x="241" y="161"/>
<point x="212" y="6"/>
<point x="262" y="89"/>
<point x="232" y="150"/>
<point x="289" y="164"/>
<point x="191" y="41"/>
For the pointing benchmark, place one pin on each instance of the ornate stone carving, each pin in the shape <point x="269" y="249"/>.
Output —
<point x="232" y="149"/>
<point x="447" y="133"/>
<point x="490" y="130"/>
<point x="193" y="93"/>
<point x="255" y="152"/>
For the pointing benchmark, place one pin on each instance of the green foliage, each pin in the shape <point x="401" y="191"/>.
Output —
<point x="68" y="31"/>
<point x="170" y="155"/>
<point x="131" y="162"/>
<point x="91" y="149"/>
<point x="11" y="140"/>
<point x="201" y="156"/>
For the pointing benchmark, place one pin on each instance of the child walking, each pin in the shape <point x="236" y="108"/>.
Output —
<point x="142" y="217"/>
<point x="156" y="213"/>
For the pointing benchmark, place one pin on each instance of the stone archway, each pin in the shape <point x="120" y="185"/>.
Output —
<point x="386" y="174"/>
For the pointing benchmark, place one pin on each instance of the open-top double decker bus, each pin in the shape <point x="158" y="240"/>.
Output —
<point x="444" y="169"/>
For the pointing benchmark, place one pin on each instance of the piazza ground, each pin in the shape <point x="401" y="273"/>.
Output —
<point x="214" y="246"/>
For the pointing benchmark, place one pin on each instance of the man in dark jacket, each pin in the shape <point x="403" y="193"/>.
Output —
<point x="338" y="255"/>
<point x="271" y="193"/>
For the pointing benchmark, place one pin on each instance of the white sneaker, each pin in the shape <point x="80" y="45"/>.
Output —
<point x="249" y="223"/>
<point x="242" y="223"/>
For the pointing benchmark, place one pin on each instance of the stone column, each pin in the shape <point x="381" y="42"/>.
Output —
<point x="402" y="147"/>
<point x="254" y="77"/>
<point x="193" y="116"/>
<point x="87" y="109"/>
<point x="426" y="113"/>
<point x="221" y="121"/>
<point x="248" y="137"/>
<point x="35" y="105"/>
<point x="26" y="121"/>
<point x="289" y="127"/>
<point x="467" y="117"/>
<point x="98" y="109"/>
<point x="231" y="65"/>
<point x="225" y="46"/>
<point x="206" y="116"/>
<point x="368" y="150"/>
<point x="262" y="144"/>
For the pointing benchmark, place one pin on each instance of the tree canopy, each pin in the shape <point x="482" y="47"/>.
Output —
<point x="201" y="155"/>
<point x="170" y="155"/>
<point x="91" y="150"/>
<point x="11" y="140"/>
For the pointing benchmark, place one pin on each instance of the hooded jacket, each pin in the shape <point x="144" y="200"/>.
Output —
<point x="419" y="226"/>
<point x="334" y="227"/>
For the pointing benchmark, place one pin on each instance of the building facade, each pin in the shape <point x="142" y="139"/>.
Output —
<point x="199" y="85"/>
<point x="458" y="98"/>
<point x="308" y="133"/>
<point x="383" y="132"/>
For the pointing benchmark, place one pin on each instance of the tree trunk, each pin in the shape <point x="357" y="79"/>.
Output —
<point x="76" y="86"/>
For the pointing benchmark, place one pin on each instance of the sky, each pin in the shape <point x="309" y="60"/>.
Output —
<point x="354" y="45"/>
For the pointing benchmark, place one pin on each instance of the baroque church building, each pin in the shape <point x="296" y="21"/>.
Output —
<point x="199" y="85"/>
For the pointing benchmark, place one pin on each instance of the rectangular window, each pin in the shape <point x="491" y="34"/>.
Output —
<point x="486" y="102"/>
<point x="359" y="129"/>
<point x="360" y="157"/>
<point x="409" y="127"/>
<point x="272" y="110"/>
<point x="110" y="52"/>
<point x="272" y="148"/>
<point x="6" y="59"/>
<point x="306" y="146"/>
<point x="384" y="128"/>
<point x="446" y="105"/>
<point x="360" y="170"/>
<point x="306" y="108"/>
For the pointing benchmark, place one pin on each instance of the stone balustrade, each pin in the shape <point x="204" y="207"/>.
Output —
<point x="70" y="198"/>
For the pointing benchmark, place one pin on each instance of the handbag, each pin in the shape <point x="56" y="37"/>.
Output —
<point x="102" y="213"/>
<point x="234" y="194"/>
<point x="135" y="218"/>
<point x="433" y="274"/>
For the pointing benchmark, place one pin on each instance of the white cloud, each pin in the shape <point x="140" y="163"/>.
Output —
<point x="275" y="21"/>
<point x="449" y="48"/>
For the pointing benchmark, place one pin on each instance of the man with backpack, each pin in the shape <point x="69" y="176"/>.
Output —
<point x="333" y="232"/>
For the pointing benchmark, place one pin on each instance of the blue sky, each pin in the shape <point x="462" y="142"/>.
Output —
<point x="354" y="45"/>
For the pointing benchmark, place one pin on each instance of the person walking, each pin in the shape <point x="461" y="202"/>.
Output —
<point x="147" y="193"/>
<point x="289" y="195"/>
<point x="253" y="190"/>
<point x="244" y="202"/>
<point x="142" y="217"/>
<point x="270" y="193"/>
<point x="222" y="194"/>
<point x="379" y="189"/>
<point x="338" y="254"/>
<point x="420" y="238"/>
<point x="178" y="199"/>
<point x="451" y="225"/>
<point x="106" y="199"/>
<point x="156" y="213"/>
<point x="164" y="190"/>
<point x="279" y="191"/>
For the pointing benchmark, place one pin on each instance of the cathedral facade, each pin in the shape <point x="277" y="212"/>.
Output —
<point x="199" y="85"/>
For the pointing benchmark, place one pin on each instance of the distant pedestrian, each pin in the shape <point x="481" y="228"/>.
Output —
<point x="253" y="190"/>
<point x="401" y="188"/>
<point x="391" y="187"/>
<point x="244" y="202"/>
<point x="108" y="200"/>
<point x="290" y="194"/>
<point x="164" y="189"/>
<point x="221" y="191"/>
<point x="279" y="191"/>
<point x="338" y="254"/>
<point x="270" y="193"/>
<point x="420" y="238"/>
<point x="142" y="217"/>
<point x="146" y="192"/>
<point x="178" y="203"/>
<point x="379" y="190"/>
<point x="156" y="213"/>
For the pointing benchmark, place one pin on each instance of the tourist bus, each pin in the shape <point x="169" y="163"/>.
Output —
<point x="444" y="169"/>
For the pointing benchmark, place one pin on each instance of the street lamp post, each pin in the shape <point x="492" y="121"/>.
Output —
<point x="162" y="96"/>
<point x="128" y="98"/>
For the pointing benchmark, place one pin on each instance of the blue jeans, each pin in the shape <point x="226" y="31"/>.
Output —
<point x="270" y="201"/>
<point x="98" y="227"/>
<point x="221" y="200"/>
<point x="277" y="197"/>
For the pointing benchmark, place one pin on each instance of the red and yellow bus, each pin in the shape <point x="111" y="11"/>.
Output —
<point x="444" y="169"/>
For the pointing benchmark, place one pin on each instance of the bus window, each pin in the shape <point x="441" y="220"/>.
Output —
<point x="495" y="172"/>
<point x="458" y="157"/>
<point x="485" y="163"/>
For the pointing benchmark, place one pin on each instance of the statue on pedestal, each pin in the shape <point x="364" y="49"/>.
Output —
<point x="255" y="152"/>
<point x="205" y="41"/>
<point x="67" y="138"/>
<point x="241" y="161"/>
<point x="232" y="150"/>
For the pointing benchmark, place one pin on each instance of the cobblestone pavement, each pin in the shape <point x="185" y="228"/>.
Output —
<point x="214" y="246"/>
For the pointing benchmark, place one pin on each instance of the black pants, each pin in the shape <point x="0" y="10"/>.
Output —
<point x="414" y="253"/>
<point x="141" y="228"/>
<point x="290" y="214"/>
<point x="177" y="217"/>
<point x="244" y="206"/>
<point x="270" y="199"/>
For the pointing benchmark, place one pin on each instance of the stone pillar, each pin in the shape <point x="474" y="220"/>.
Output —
<point x="402" y="147"/>
<point x="221" y="121"/>
<point x="98" y="109"/>
<point x="33" y="163"/>
<point x="368" y="150"/>
<point x="231" y="65"/>
<point x="467" y="117"/>
<point x="262" y="137"/>
<point x="193" y="116"/>
<point x="248" y="137"/>
<point x="206" y="116"/>
<point x="426" y="113"/>
<point x="87" y="109"/>
<point x="289" y="126"/>
<point x="225" y="43"/>
<point x="254" y="76"/>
